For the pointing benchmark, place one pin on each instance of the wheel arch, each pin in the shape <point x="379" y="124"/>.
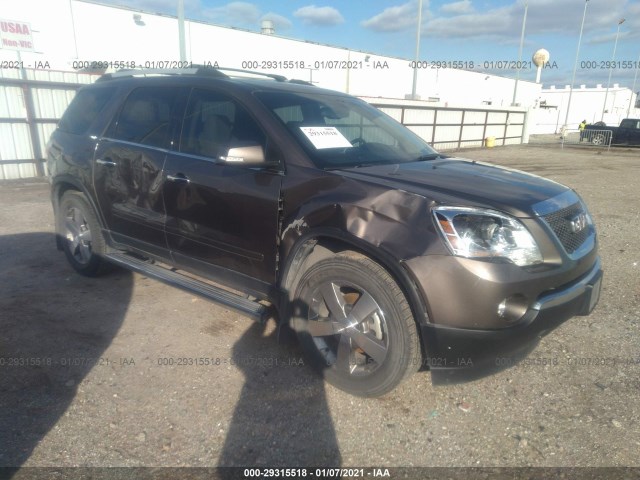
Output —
<point x="317" y="245"/>
<point x="61" y="185"/>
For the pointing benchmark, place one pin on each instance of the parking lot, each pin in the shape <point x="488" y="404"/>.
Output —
<point x="125" y="371"/>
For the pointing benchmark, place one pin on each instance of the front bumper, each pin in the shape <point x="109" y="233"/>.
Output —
<point x="459" y="354"/>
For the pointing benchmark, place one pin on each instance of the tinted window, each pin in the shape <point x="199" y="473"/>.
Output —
<point x="630" y="123"/>
<point x="340" y="131"/>
<point x="146" y="117"/>
<point x="84" y="109"/>
<point x="214" y="123"/>
<point x="290" y="113"/>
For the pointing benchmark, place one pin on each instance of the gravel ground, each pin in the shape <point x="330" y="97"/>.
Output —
<point x="91" y="373"/>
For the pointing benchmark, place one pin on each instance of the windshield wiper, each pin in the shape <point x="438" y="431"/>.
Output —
<point x="431" y="156"/>
<point x="348" y="166"/>
<point x="362" y="165"/>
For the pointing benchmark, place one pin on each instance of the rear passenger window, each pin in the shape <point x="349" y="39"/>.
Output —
<point x="214" y="123"/>
<point x="84" y="109"/>
<point x="146" y="117"/>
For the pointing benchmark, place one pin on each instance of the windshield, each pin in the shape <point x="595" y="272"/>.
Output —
<point x="343" y="132"/>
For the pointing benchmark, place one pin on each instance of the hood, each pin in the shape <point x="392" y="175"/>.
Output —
<point x="456" y="181"/>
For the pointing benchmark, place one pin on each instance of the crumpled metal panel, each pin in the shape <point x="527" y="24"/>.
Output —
<point x="395" y="221"/>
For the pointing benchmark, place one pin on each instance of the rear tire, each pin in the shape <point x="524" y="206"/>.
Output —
<point x="81" y="235"/>
<point x="598" y="139"/>
<point x="356" y="326"/>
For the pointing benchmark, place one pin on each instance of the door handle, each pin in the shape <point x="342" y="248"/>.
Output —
<point x="107" y="163"/>
<point x="178" y="177"/>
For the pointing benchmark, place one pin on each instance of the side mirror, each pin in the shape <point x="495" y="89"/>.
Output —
<point x="252" y="155"/>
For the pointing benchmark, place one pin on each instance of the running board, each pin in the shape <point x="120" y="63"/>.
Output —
<point x="253" y="309"/>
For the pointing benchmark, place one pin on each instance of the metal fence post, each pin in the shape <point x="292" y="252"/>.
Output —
<point x="33" y="129"/>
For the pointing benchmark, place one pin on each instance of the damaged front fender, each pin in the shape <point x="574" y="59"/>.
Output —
<point x="336" y="212"/>
<point x="394" y="221"/>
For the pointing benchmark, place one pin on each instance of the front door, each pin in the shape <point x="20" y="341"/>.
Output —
<point x="222" y="218"/>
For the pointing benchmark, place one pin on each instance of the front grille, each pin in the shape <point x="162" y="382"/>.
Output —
<point x="560" y="223"/>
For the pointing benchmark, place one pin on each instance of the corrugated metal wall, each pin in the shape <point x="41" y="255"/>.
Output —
<point x="31" y="103"/>
<point x="448" y="128"/>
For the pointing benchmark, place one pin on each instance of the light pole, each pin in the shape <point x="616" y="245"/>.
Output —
<point x="613" y="58"/>
<point x="524" y="23"/>
<point x="633" y="89"/>
<point x="183" y="49"/>
<point x="575" y="65"/>
<point x="417" y="58"/>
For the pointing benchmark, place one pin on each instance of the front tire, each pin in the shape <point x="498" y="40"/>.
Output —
<point x="81" y="235"/>
<point x="356" y="326"/>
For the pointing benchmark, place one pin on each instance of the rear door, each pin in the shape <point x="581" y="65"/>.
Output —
<point x="222" y="217"/>
<point x="128" y="165"/>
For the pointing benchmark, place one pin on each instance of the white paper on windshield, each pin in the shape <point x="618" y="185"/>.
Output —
<point x="325" y="137"/>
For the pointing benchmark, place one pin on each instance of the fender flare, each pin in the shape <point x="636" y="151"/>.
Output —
<point x="330" y="237"/>
<point x="58" y="189"/>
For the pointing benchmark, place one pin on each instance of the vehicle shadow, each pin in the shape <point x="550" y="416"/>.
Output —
<point x="282" y="418"/>
<point x="55" y="328"/>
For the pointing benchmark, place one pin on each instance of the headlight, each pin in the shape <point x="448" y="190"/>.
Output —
<point x="479" y="233"/>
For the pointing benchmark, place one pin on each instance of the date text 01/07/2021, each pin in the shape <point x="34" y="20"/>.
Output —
<point x="320" y="473"/>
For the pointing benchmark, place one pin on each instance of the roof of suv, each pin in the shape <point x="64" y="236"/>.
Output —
<point x="246" y="78"/>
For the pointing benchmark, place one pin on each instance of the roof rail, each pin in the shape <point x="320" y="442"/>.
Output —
<point x="279" y="78"/>
<point x="152" y="72"/>
<point x="202" y="70"/>
<point x="301" y="82"/>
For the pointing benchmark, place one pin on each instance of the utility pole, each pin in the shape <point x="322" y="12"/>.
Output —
<point x="575" y="65"/>
<point x="613" y="59"/>
<point x="524" y="23"/>
<point x="183" y="48"/>
<point x="417" y="57"/>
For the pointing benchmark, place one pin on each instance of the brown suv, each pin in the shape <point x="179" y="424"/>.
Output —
<point x="382" y="254"/>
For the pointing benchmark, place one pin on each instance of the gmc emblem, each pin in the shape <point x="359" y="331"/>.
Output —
<point x="579" y="222"/>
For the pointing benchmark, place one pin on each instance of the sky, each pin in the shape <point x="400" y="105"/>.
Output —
<point x="485" y="32"/>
